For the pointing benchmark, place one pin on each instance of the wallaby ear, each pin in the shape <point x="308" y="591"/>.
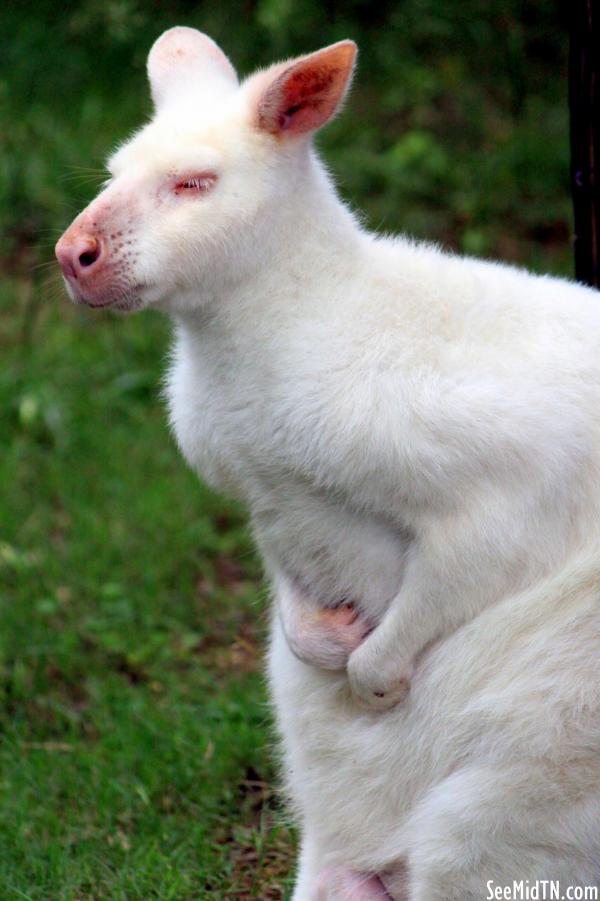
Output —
<point x="300" y="96"/>
<point x="183" y="56"/>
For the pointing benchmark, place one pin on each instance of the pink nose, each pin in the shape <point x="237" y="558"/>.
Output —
<point x="79" y="255"/>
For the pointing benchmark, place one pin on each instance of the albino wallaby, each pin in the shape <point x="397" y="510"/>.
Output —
<point x="416" y="436"/>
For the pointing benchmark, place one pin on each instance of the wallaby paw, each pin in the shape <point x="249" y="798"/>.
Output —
<point x="374" y="687"/>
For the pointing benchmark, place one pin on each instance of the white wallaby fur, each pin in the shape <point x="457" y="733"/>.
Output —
<point x="417" y="438"/>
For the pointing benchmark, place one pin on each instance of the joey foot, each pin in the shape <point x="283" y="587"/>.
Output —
<point x="326" y="636"/>
<point x="376" y="684"/>
<point x="340" y="884"/>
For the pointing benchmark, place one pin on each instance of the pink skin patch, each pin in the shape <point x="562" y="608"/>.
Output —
<point x="345" y="625"/>
<point x="339" y="884"/>
<point x="325" y="636"/>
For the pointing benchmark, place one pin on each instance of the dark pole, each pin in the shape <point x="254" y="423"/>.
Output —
<point x="584" y="103"/>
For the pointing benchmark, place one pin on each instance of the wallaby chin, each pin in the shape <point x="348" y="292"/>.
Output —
<point x="417" y="439"/>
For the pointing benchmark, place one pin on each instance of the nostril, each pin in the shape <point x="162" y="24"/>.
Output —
<point x="89" y="257"/>
<point x="78" y="254"/>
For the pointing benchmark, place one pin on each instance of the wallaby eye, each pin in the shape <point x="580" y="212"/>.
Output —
<point x="195" y="184"/>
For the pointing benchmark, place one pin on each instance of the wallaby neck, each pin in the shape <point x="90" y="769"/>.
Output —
<point x="300" y="250"/>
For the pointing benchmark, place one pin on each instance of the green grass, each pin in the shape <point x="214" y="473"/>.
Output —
<point x="136" y="756"/>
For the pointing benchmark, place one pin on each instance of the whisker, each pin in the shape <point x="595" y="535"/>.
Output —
<point x="86" y="169"/>
<point x="45" y="265"/>
<point x="81" y="178"/>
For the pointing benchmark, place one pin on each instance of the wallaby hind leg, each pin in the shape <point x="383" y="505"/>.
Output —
<point x="482" y="829"/>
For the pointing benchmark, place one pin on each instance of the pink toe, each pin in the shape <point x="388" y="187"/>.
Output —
<point x="337" y="884"/>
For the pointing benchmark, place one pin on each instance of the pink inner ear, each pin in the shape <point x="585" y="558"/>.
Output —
<point x="307" y="93"/>
<point x="309" y="98"/>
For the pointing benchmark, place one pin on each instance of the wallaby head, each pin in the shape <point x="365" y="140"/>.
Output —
<point x="190" y="194"/>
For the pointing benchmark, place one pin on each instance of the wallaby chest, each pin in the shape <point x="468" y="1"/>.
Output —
<point x="234" y="427"/>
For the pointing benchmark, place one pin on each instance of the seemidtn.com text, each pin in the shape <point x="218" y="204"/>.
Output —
<point x="541" y="890"/>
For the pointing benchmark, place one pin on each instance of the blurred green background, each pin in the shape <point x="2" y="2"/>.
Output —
<point x="136" y="756"/>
